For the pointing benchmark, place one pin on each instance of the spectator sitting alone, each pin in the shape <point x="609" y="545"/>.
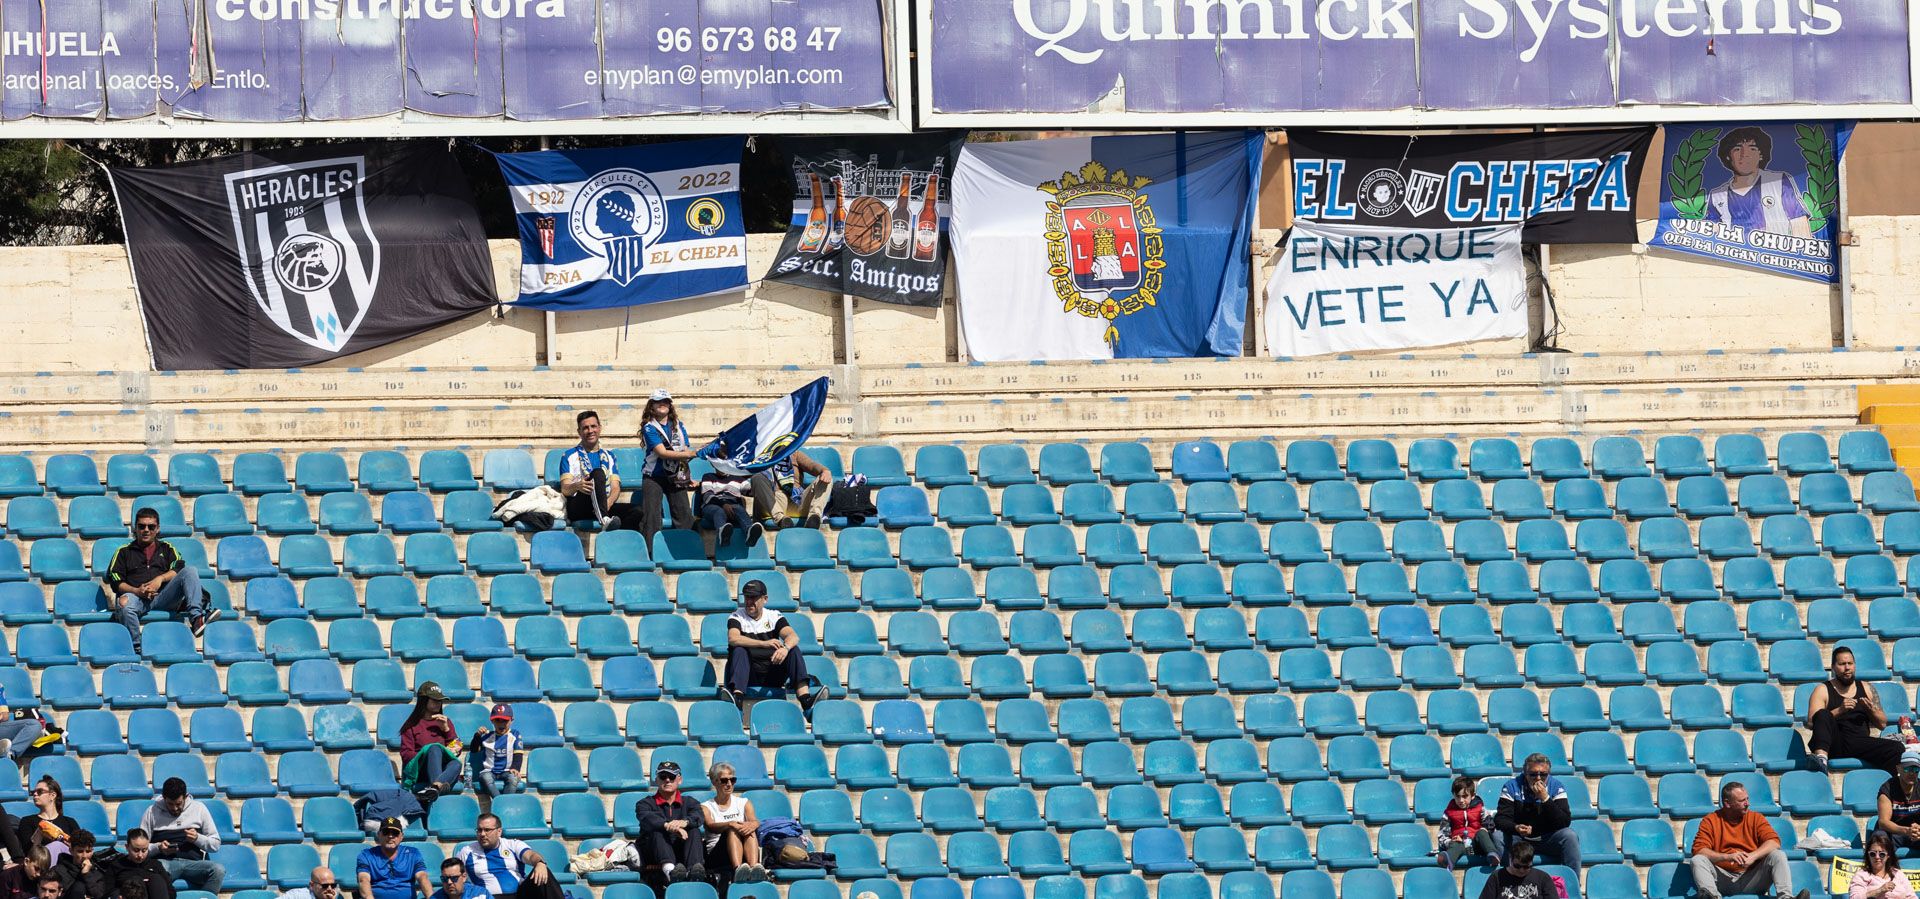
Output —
<point x="1880" y="877"/>
<point x="148" y="575"/>
<point x="184" y="837"/>
<point x="590" y="480"/>
<point x="388" y="870"/>
<point x="499" y="758"/>
<point x="672" y="842"/>
<point x="429" y="749"/>
<point x="1736" y="850"/>
<point x="763" y="650"/>
<point x="1533" y="811"/>
<point x="733" y="832"/>
<point x="1845" y="719"/>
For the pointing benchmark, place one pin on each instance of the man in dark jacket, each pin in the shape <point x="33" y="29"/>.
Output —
<point x="1533" y="809"/>
<point x="148" y="575"/>
<point x="80" y="877"/>
<point x="135" y="873"/>
<point x="22" y="880"/>
<point x="672" y="831"/>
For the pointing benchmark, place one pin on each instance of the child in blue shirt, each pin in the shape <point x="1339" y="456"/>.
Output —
<point x="499" y="757"/>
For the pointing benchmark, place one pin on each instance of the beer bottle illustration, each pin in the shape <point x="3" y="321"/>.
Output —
<point x="816" y="230"/>
<point x="901" y="235"/>
<point x="926" y="232"/>
<point x="837" y="223"/>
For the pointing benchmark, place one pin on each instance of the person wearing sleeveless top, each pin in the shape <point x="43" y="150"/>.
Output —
<point x="1845" y="719"/>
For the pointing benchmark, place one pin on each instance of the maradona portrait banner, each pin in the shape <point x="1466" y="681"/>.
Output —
<point x="1105" y="247"/>
<point x="870" y="216"/>
<point x="620" y="226"/>
<point x="1565" y="186"/>
<point x="1764" y="195"/>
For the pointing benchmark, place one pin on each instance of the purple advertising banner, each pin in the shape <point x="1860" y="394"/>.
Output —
<point x="1262" y="56"/>
<point x="292" y="61"/>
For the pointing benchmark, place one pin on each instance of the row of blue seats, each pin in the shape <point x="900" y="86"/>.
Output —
<point x="985" y="547"/>
<point x="1389" y="501"/>
<point x="901" y="506"/>
<point x="998" y="465"/>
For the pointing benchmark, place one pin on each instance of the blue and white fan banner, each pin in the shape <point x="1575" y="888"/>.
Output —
<point x="621" y="226"/>
<point x="770" y="435"/>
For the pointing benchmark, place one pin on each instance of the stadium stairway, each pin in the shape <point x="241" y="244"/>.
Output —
<point x="1895" y="409"/>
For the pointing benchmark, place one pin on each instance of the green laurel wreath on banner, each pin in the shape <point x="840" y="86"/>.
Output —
<point x="1684" y="185"/>
<point x="1822" y="196"/>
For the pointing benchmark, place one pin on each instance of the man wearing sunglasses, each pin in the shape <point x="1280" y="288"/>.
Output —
<point x="1533" y="812"/>
<point x="1518" y="878"/>
<point x="672" y="831"/>
<point x="1737" y="851"/>
<point x="148" y="575"/>
<point x="321" y="884"/>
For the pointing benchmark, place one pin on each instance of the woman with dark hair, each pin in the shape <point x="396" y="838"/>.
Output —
<point x="665" y="473"/>
<point x="1881" y="878"/>
<point x="50" y="812"/>
<point x="429" y="748"/>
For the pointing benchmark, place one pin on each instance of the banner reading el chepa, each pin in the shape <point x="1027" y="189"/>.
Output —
<point x="1764" y="195"/>
<point x="620" y="226"/>
<point x="292" y="257"/>
<point x="1566" y="187"/>
<point x="1343" y="288"/>
<point x="1104" y="247"/>
<point x="869" y="218"/>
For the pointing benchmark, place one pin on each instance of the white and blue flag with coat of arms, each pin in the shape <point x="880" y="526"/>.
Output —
<point x="621" y="226"/>
<point x="768" y="436"/>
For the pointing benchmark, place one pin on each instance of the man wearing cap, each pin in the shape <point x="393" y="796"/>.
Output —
<point x="672" y="840"/>
<point x="1899" y="803"/>
<point x="321" y="884"/>
<point x="499" y="758"/>
<point x="665" y="474"/>
<point x="388" y="870"/>
<point x="430" y="751"/>
<point x="763" y="650"/>
<point x="506" y="867"/>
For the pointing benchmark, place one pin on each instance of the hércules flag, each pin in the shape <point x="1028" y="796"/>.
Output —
<point x="870" y="216"/>
<point x="1104" y="247"/>
<point x="620" y="226"/>
<point x="286" y="258"/>
<point x="764" y="438"/>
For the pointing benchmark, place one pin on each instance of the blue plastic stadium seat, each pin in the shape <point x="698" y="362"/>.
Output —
<point x="1334" y="501"/>
<point x="17" y="477"/>
<point x="881" y="464"/>
<point x="1804" y="453"/>
<point x="1826" y="493"/>
<point x="321" y="472"/>
<point x="1519" y="499"/>
<point x="1195" y="461"/>
<point x="1615" y="458"/>
<point x="1680" y="456"/>
<point x="1373" y="459"/>
<point x="1309" y="461"/>
<point x="1126" y="463"/>
<point x="941" y="465"/>
<point x="1556" y="458"/>
<point x="506" y="470"/>
<point x="1886" y="492"/>
<point x="1434" y="459"/>
<point x="442" y="471"/>
<point x="1702" y="496"/>
<point x="1066" y="463"/>
<point x="71" y="474"/>
<point x="1005" y="464"/>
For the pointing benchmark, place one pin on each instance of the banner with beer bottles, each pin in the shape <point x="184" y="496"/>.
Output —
<point x="870" y="216"/>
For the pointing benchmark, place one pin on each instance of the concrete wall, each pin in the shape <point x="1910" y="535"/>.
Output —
<point x="73" y="309"/>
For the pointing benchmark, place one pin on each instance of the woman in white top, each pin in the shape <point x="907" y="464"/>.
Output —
<point x="733" y="840"/>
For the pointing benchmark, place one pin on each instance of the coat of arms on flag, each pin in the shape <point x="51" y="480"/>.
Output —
<point x="1103" y="245"/>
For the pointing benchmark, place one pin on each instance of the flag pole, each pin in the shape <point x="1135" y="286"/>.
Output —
<point x="552" y="323"/>
<point x="1843" y="239"/>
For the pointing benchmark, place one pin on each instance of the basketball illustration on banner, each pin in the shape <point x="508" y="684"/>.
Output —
<point x="867" y="226"/>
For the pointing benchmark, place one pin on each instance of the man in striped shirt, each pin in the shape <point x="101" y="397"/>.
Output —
<point x="590" y="479"/>
<point x="506" y="867"/>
